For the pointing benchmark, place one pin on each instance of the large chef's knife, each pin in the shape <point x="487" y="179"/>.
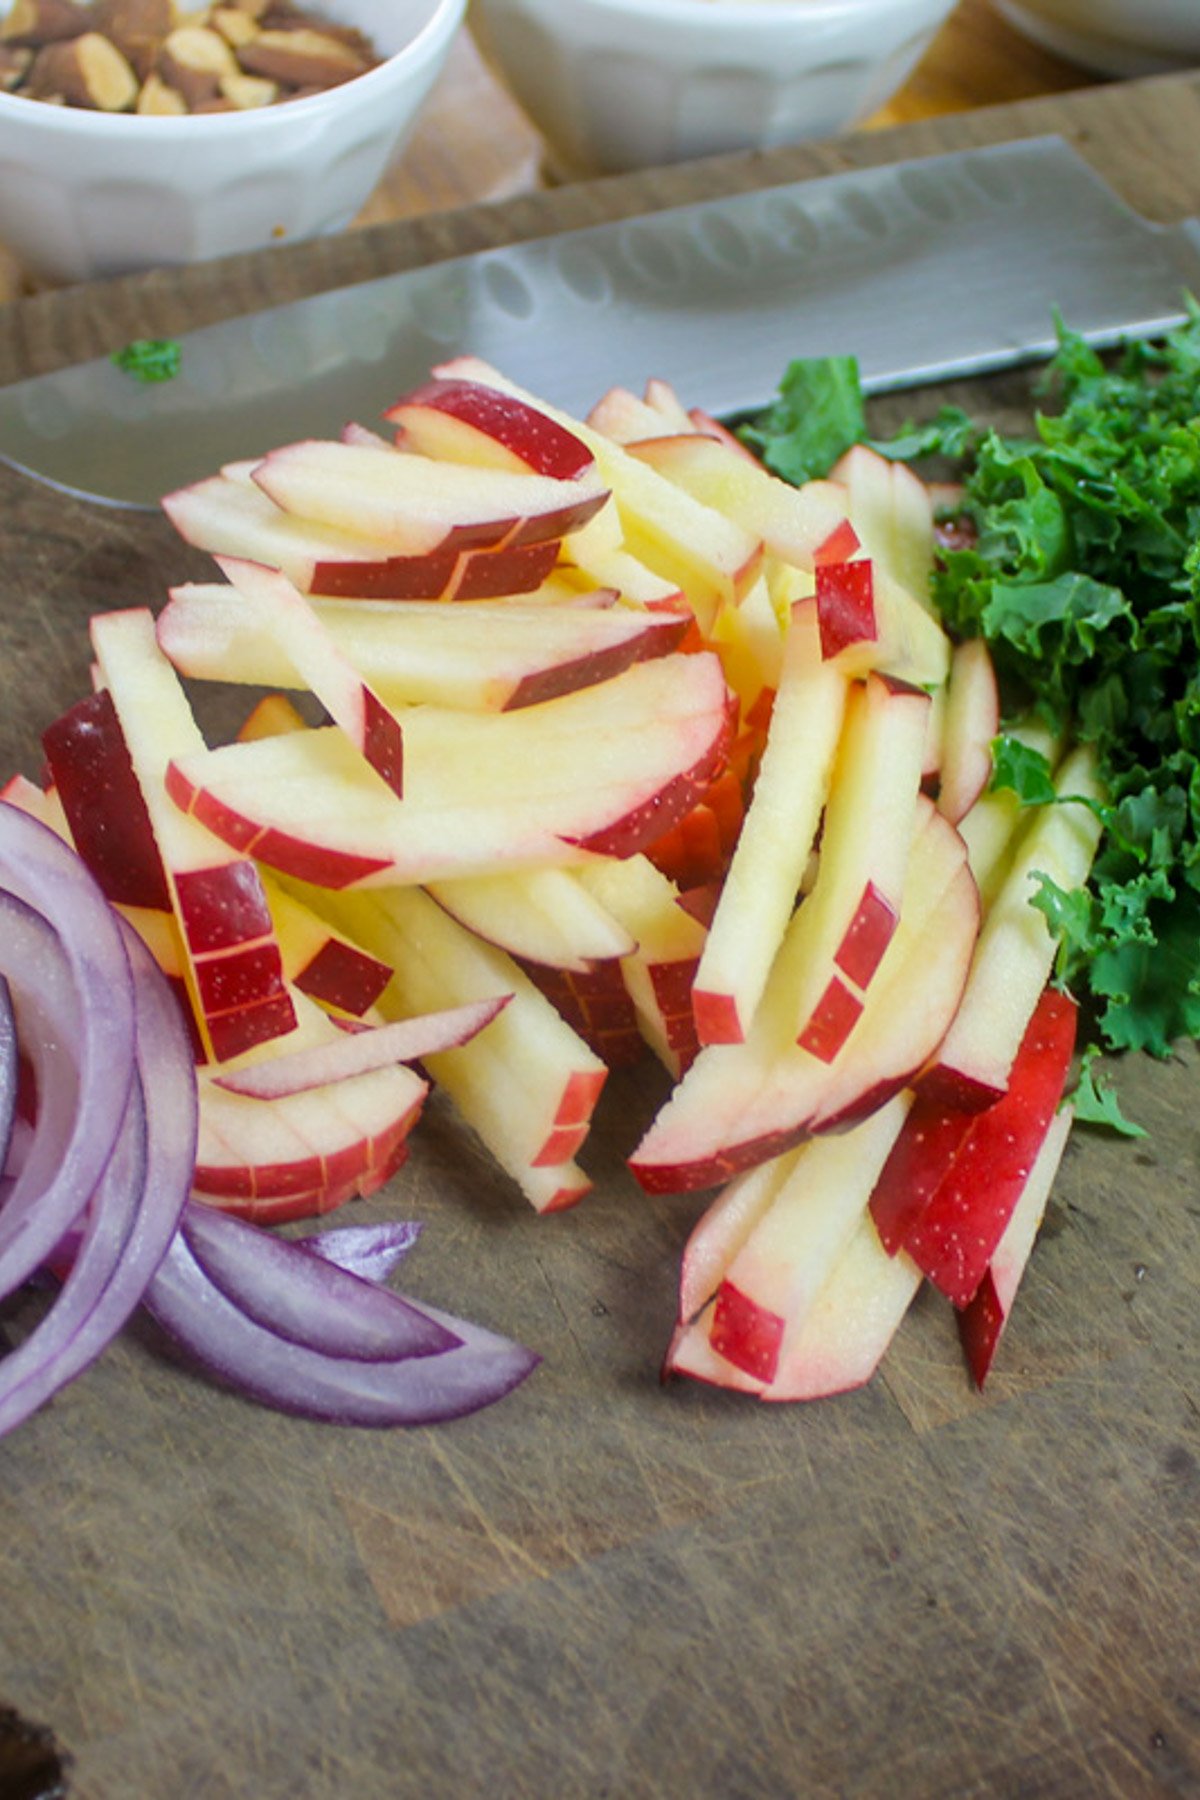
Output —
<point x="942" y="266"/>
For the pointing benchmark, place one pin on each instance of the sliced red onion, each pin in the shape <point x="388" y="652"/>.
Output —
<point x="371" y="1251"/>
<point x="62" y="950"/>
<point x="10" y="1071"/>
<point x="43" y="1363"/>
<point x="134" y="1211"/>
<point x="417" y="1390"/>
<point x="304" y="1298"/>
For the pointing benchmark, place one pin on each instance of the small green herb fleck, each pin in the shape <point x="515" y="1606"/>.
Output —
<point x="150" y="359"/>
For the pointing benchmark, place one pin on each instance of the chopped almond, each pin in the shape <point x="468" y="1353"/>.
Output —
<point x="247" y="91"/>
<point x="234" y="24"/>
<point x="156" y="98"/>
<point x="34" y="23"/>
<point x="137" y="28"/>
<point x="85" y="71"/>
<point x="195" y="60"/>
<point x="302" y="58"/>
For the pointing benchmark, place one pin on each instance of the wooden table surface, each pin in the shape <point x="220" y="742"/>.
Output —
<point x="605" y="1589"/>
<point x="474" y="143"/>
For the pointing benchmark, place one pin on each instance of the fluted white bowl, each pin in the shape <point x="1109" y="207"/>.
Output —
<point x="86" y="194"/>
<point x="1112" y="37"/>
<point x="615" y="85"/>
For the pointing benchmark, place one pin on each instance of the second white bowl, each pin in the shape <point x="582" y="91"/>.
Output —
<point x="615" y="85"/>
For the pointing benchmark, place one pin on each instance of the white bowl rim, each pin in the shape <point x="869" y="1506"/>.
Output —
<point x="446" y="17"/>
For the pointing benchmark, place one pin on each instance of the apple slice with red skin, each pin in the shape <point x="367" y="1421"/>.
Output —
<point x="870" y="622"/>
<point x="626" y="418"/>
<point x="598" y="771"/>
<point x="89" y="763"/>
<point x="251" y="1153"/>
<point x="322" y="666"/>
<point x="923" y="1153"/>
<point x="1016" y="948"/>
<point x="529" y="1084"/>
<point x="740" y="1104"/>
<point x="490" y="657"/>
<point x="851" y="1323"/>
<point x="981" y="1322"/>
<point x="663" y="398"/>
<point x="772" y="1283"/>
<point x="891" y="509"/>
<point x="845" y="596"/>
<point x="846" y="923"/>
<point x="545" y="916"/>
<point x="705" y="423"/>
<point x="465" y="421"/>
<point x="690" y="1353"/>
<point x="155" y="923"/>
<point x="313" y="1144"/>
<point x="725" y="1227"/>
<point x="955" y="1233"/>
<point x="705" y="552"/>
<point x="235" y="969"/>
<point x="414" y="505"/>
<point x="971" y="722"/>
<point x="750" y="642"/>
<point x="629" y="577"/>
<point x="596" y="1003"/>
<point x="359" y="1051"/>
<point x="842" y="1341"/>
<point x="321" y="961"/>
<point x="227" y="514"/>
<point x="758" y="895"/>
<point x="659" y="972"/>
<point x="793" y="522"/>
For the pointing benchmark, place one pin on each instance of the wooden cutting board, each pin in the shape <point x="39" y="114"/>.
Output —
<point x="604" y="1587"/>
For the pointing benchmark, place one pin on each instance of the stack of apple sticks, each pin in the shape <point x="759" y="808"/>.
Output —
<point x="622" y="743"/>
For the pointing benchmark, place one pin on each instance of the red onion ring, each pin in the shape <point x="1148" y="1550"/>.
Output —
<point x="304" y="1298"/>
<point x="371" y="1251"/>
<point x="61" y="948"/>
<point x="133" y="1212"/>
<point x="417" y="1390"/>
<point x="10" y="1071"/>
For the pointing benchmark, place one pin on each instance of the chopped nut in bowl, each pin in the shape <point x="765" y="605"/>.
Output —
<point x="134" y="133"/>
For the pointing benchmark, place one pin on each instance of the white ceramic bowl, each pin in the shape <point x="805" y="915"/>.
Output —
<point x="623" y="84"/>
<point x="1112" y="37"/>
<point x="85" y="194"/>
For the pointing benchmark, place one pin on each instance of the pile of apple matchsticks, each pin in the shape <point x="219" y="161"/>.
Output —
<point x="622" y="746"/>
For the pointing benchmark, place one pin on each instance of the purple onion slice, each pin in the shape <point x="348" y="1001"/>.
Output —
<point x="133" y="1213"/>
<point x="304" y="1298"/>
<point x="62" y="950"/>
<point x="371" y="1251"/>
<point x="418" y="1390"/>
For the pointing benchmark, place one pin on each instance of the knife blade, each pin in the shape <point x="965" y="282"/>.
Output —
<point x="941" y="266"/>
